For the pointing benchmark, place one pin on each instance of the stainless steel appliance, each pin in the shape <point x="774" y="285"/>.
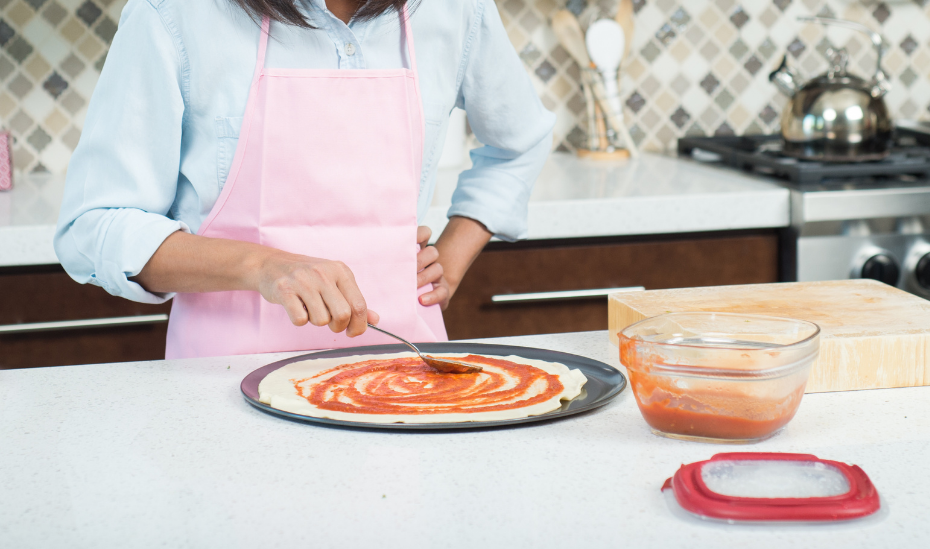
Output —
<point x="837" y="116"/>
<point x="848" y="220"/>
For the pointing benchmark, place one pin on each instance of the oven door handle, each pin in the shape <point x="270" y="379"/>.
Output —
<point x="63" y="325"/>
<point x="561" y="296"/>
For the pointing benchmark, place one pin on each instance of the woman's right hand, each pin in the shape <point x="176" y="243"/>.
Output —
<point x="317" y="291"/>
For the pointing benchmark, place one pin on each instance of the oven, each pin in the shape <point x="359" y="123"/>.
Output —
<point x="848" y="220"/>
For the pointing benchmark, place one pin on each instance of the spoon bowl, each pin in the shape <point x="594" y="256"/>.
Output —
<point x="442" y="365"/>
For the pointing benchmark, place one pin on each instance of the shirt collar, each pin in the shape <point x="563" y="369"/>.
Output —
<point x="320" y="15"/>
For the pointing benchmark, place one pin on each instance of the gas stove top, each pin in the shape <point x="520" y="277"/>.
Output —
<point x="908" y="163"/>
<point x="848" y="220"/>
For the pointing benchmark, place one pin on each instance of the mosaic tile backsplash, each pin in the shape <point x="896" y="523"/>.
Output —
<point x="698" y="67"/>
<point x="51" y="56"/>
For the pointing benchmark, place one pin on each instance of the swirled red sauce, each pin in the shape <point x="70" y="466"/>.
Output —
<point x="408" y="386"/>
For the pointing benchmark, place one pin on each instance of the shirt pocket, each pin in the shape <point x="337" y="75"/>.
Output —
<point x="227" y="139"/>
<point x="435" y="116"/>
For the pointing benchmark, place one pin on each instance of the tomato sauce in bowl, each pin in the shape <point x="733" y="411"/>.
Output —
<point x="718" y="377"/>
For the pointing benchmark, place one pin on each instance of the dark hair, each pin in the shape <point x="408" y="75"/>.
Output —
<point x="286" y="11"/>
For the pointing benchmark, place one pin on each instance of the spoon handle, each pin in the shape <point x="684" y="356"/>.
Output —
<point x="397" y="337"/>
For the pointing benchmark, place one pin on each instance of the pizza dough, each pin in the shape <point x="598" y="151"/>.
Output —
<point x="404" y="390"/>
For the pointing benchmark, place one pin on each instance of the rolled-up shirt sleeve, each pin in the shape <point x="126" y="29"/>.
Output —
<point x="123" y="176"/>
<point x="510" y="121"/>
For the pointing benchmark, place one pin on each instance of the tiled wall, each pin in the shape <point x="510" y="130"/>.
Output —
<point x="697" y="67"/>
<point x="701" y="66"/>
<point x="52" y="53"/>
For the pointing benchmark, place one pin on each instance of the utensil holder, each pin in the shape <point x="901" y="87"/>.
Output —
<point x="602" y="139"/>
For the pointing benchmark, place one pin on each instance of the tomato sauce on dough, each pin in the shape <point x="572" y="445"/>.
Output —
<point x="407" y="386"/>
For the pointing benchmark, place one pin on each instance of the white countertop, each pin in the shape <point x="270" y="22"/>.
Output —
<point x="168" y="454"/>
<point x="28" y="214"/>
<point x="573" y="198"/>
<point x="654" y="194"/>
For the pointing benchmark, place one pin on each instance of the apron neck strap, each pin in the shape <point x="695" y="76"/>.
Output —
<point x="408" y="38"/>
<point x="266" y="29"/>
<point x="262" y="47"/>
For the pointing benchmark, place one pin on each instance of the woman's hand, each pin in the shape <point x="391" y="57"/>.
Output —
<point x="429" y="271"/>
<point x="445" y="263"/>
<point x="317" y="291"/>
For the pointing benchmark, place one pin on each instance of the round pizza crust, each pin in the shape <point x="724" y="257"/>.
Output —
<point x="277" y="390"/>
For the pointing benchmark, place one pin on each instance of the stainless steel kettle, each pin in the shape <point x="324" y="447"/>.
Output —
<point x="836" y="117"/>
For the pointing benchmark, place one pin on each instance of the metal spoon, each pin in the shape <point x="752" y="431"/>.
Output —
<point x="439" y="364"/>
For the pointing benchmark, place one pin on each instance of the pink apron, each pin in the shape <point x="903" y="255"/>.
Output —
<point x="328" y="165"/>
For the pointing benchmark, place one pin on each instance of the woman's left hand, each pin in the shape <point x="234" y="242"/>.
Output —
<point x="429" y="271"/>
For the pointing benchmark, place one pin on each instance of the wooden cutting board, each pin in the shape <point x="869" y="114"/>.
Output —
<point x="872" y="335"/>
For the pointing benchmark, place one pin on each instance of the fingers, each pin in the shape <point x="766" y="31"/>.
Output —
<point x="357" y="320"/>
<point x="426" y="257"/>
<point x="316" y="291"/>
<point x="295" y="310"/>
<point x="423" y="234"/>
<point x="373" y="318"/>
<point x="440" y="295"/>
<point x="316" y="308"/>
<point x="429" y="275"/>
<point x="339" y="310"/>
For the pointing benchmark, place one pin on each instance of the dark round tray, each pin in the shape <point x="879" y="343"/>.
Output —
<point x="604" y="383"/>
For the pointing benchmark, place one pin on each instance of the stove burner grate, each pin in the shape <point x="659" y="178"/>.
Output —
<point x="908" y="161"/>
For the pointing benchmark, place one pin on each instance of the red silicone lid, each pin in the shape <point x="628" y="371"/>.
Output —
<point x="694" y="496"/>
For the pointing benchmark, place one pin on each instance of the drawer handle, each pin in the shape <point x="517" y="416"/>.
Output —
<point x="560" y="296"/>
<point x="79" y="324"/>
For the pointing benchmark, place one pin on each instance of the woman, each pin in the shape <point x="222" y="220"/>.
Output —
<point x="270" y="183"/>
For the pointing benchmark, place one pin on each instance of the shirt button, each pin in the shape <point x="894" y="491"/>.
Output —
<point x="350" y="48"/>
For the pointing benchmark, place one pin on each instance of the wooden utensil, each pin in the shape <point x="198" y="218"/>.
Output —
<point x="568" y="31"/>
<point x="873" y="335"/>
<point x="624" y="17"/>
<point x="443" y="365"/>
<point x="601" y="128"/>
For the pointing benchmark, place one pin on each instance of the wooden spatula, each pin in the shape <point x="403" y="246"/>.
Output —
<point x="625" y="18"/>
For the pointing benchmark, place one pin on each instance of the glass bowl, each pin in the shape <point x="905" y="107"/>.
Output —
<point x="718" y="377"/>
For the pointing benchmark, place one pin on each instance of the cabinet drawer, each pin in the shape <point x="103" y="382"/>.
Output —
<point x="87" y="346"/>
<point x="503" y="270"/>
<point x="47" y="319"/>
<point x="48" y="294"/>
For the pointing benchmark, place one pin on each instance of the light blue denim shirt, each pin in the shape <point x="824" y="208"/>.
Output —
<point x="163" y="123"/>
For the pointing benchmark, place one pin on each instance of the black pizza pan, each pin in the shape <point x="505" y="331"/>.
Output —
<point x="604" y="383"/>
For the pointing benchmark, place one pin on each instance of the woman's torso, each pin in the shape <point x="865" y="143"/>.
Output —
<point x="217" y="61"/>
